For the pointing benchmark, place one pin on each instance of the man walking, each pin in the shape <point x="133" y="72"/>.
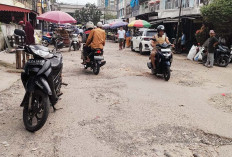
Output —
<point x="121" y="37"/>
<point x="213" y="41"/>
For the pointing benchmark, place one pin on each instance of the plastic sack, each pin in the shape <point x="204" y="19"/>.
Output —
<point x="192" y="53"/>
<point x="198" y="56"/>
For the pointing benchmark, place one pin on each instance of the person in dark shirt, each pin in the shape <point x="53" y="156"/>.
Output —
<point x="213" y="41"/>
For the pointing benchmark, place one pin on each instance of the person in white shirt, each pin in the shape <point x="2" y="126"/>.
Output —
<point x="121" y="37"/>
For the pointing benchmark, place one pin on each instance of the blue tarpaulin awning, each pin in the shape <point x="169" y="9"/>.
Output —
<point x="133" y="3"/>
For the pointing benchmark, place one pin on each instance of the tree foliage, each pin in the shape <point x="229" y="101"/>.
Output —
<point x="88" y="13"/>
<point x="109" y="16"/>
<point x="219" y="14"/>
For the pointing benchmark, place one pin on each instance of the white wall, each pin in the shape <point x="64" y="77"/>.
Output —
<point x="9" y="31"/>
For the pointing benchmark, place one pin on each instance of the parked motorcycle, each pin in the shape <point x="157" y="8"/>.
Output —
<point x="59" y="43"/>
<point x="75" y="43"/>
<point x="222" y="56"/>
<point x="96" y="60"/>
<point x="42" y="80"/>
<point x="48" y="39"/>
<point x="230" y="54"/>
<point x="163" y="61"/>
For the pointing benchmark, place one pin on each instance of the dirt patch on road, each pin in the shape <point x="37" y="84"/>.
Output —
<point x="222" y="101"/>
<point x="164" y="140"/>
<point x="187" y="78"/>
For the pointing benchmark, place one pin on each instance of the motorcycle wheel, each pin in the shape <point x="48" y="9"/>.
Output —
<point x="167" y="74"/>
<point x="37" y="116"/>
<point x="78" y="46"/>
<point x="96" y="68"/>
<point x="45" y="43"/>
<point x="75" y="47"/>
<point x="223" y="61"/>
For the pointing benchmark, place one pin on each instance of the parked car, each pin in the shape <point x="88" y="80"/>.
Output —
<point x="141" y="42"/>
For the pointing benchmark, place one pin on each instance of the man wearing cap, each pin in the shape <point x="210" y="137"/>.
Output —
<point x="213" y="41"/>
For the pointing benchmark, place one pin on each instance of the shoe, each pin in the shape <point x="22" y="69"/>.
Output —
<point x="210" y="66"/>
<point x="149" y="65"/>
<point x="103" y="63"/>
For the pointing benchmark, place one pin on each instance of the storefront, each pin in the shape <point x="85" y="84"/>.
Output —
<point x="13" y="14"/>
<point x="188" y="25"/>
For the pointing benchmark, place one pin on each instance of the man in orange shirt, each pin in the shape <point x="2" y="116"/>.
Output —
<point x="96" y="38"/>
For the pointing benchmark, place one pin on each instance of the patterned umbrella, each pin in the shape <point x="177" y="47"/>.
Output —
<point x="118" y="24"/>
<point x="139" y="24"/>
<point x="106" y="26"/>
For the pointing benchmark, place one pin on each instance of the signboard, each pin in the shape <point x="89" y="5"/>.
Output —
<point x="39" y="5"/>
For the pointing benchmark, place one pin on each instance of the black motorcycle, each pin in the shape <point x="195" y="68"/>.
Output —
<point x="163" y="61"/>
<point x="42" y="80"/>
<point x="221" y="56"/>
<point x="96" y="60"/>
<point x="59" y="43"/>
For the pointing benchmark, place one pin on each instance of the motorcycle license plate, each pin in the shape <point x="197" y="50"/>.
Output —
<point x="165" y="50"/>
<point x="98" y="58"/>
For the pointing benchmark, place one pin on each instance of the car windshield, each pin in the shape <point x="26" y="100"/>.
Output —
<point x="150" y="33"/>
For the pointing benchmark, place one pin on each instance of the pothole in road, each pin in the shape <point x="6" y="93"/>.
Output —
<point x="222" y="101"/>
<point x="190" y="83"/>
<point x="163" y="140"/>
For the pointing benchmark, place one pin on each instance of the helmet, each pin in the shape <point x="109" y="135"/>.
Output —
<point x="99" y="24"/>
<point x="160" y="27"/>
<point x="21" y="22"/>
<point x="89" y="25"/>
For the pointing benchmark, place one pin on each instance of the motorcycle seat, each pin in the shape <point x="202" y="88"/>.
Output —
<point x="56" y="61"/>
<point x="225" y="47"/>
<point x="39" y="47"/>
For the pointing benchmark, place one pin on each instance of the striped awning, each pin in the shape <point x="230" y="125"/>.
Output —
<point x="13" y="9"/>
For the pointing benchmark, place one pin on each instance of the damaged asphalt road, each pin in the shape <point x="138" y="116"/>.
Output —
<point x="126" y="112"/>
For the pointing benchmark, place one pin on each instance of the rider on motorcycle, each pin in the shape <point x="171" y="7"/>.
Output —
<point x="160" y="38"/>
<point x="89" y="26"/>
<point x="96" y="39"/>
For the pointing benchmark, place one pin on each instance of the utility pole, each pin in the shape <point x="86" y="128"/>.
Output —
<point x="178" y="26"/>
<point x="104" y="14"/>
